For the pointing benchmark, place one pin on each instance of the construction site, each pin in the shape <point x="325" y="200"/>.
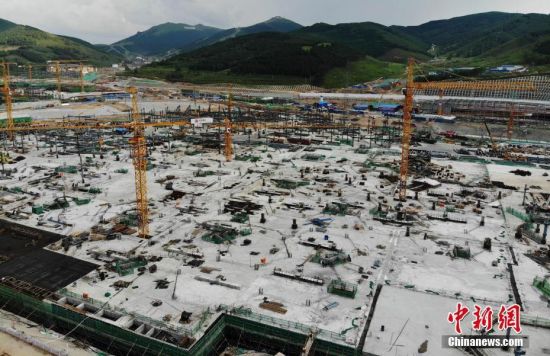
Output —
<point x="140" y="217"/>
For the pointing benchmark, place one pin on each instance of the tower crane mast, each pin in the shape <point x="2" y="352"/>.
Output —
<point x="440" y="87"/>
<point x="406" y="137"/>
<point x="138" y="148"/>
<point x="228" y="135"/>
<point x="139" y="159"/>
<point x="510" y="126"/>
<point x="57" y="63"/>
<point x="7" y="98"/>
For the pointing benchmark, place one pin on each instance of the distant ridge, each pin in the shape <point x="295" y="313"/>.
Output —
<point x="344" y="54"/>
<point x="25" y="44"/>
<point x="171" y="38"/>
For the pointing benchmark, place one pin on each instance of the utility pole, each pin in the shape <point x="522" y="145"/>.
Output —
<point x="7" y="99"/>
<point x="228" y="131"/>
<point x="174" y="297"/>
<point x="81" y="77"/>
<point x="80" y="157"/>
<point x="58" y="77"/>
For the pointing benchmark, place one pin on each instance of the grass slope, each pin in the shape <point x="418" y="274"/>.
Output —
<point x="368" y="38"/>
<point x="490" y="38"/>
<point x="265" y="54"/>
<point x="25" y="44"/>
<point x="345" y="54"/>
<point x="306" y="55"/>
<point x="364" y="70"/>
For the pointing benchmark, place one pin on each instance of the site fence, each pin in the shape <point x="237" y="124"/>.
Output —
<point x="535" y="321"/>
<point x="285" y="324"/>
<point x="514" y="164"/>
<point x="524" y="217"/>
<point x="180" y="330"/>
<point x="240" y="312"/>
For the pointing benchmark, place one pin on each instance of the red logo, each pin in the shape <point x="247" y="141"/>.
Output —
<point x="457" y="316"/>
<point x="508" y="317"/>
<point x="483" y="318"/>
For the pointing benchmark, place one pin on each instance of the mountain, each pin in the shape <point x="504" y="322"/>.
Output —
<point x="5" y="25"/>
<point x="162" y="39"/>
<point x="369" y="38"/>
<point x="267" y="54"/>
<point x="275" y="24"/>
<point x="305" y="55"/>
<point x="345" y="54"/>
<point x="453" y="33"/>
<point x="25" y="44"/>
<point x="492" y="37"/>
<point x="172" y="38"/>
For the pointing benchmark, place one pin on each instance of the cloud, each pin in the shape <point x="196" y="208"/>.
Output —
<point x="106" y="21"/>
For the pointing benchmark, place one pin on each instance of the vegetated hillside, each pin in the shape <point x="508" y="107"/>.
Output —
<point x="25" y="44"/>
<point x="493" y="37"/>
<point x="344" y="54"/>
<point x="5" y="24"/>
<point x="370" y="39"/>
<point x="173" y="38"/>
<point x="306" y="55"/>
<point x="275" y="24"/>
<point x="269" y="54"/>
<point x="454" y="33"/>
<point x="363" y="70"/>
<point x="162" y="39"/>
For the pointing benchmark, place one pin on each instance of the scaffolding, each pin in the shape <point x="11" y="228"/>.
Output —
<point x="341" y="288"/>
<point x="124" y="268"/>
<point x="336" y="208"/>
<point x="93" y="319"/>
<point x="219" y="234"/>
<point x="526" y="218"/>
<point x="330" y="258"/>
<point x="241" y="218"/>
<point x="289" y="184"/>
<point x="543" y="285"/>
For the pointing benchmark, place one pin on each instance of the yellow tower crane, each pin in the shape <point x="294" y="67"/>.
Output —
<point x="139" y="158"/>
<point x="494" y="146"/>
<point x="138" y="144"/>
<point x="406" y="137"/>
<point x="228" y="140"/>
<point x="7" y="98"/>
<point x="242" y="125"/>
<point x="510" y="126"/>
<point x="493" y="85"/>
<point x="57" y="67"/>
<point x="58" y="75"/>
<point x="228" y="135"/>
<point x="81" y="77"/>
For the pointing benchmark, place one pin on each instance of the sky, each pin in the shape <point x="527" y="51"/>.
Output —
<point x="107" y="21"/>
